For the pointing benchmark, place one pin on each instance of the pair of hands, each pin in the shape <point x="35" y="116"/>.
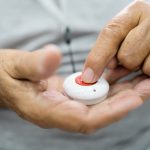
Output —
<point x="29" y="87"/>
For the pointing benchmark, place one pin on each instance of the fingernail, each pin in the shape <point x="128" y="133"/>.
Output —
<point x="88" y="76"/>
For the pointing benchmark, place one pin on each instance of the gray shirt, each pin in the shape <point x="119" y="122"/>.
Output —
<point x="31" y="24"/>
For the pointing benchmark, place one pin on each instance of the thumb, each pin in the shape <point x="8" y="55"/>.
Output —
<point x="35" y="65"/>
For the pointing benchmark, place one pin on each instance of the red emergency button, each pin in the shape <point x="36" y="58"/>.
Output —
<point x="79" y="81"/>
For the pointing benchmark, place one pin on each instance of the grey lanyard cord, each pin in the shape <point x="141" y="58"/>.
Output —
<point x="51" y="8"/>
<point x="68" y="42"/>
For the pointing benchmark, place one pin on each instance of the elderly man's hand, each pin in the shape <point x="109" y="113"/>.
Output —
<point x="26" y="90"/>
<point x="125" y="41"/>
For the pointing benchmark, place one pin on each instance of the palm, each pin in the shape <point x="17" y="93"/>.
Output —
<point x="56" y="110"/>
<point x="141" y="82"/>
<point x="103" y="113"/>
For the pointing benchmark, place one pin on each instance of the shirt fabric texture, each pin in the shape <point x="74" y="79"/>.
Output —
<point x="32" y="24"/>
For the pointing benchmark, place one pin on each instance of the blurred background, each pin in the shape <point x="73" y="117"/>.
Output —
<point x="31" y="24"/>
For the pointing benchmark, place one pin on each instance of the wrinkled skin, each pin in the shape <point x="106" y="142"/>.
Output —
<point x="30" y="88"/>
<point x="125" y="40"/>
<point x="36" y="94"/>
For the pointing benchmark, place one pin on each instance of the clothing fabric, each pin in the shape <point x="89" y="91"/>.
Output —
<point x="31" y="24"/>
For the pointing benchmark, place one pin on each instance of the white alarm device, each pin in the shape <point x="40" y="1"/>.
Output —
<point x="88" y="94"/>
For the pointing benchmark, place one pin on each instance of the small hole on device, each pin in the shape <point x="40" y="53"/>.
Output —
<point x="94" y="90"/>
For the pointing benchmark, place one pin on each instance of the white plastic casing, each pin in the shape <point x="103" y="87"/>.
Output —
<point x="89" y="95"/>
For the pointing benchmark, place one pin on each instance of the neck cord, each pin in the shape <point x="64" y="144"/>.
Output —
<point x="51" y="8"/>
<point x="68" y="42"/>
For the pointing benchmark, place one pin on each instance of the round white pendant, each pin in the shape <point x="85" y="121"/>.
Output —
<point x="89" y="94"/>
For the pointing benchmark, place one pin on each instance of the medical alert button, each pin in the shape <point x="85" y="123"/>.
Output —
<point x="80" y="82"/>
<point x="89" y="94"/>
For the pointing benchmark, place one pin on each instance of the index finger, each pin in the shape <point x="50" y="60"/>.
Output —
<point x="108" y="42"/>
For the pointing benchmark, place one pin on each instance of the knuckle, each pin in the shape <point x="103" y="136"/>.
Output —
<point x="139" y="3"/>
<point x="126" y="60"/>
<point x="113" y="29"/>
<point x="146" y="70"/>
